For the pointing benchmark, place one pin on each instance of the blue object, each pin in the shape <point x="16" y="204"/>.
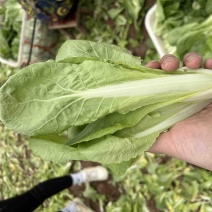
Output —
<point x="49" y="10"/>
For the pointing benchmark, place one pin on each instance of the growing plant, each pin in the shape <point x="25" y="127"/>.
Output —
<point x="10" y="27"/>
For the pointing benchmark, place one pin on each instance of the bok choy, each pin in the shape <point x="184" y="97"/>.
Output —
<point x="96" y="102"/>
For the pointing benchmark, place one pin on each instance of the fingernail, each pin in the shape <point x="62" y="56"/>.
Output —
<point x="191" y="57"/>
<point x="169" y="63"/>
<point x="168" y="59"/>
<point x="208" y="63"/>
<point x="153" y="64"/>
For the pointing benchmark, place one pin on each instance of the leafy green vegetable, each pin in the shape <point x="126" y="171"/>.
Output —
<point x="10" y="31"/>
<point x="98" y="51"/>
<point x="134" y="7"/>
<point x="112" y="22"/>
<point x="97" y="103"/>
<point x="185" y="26"/>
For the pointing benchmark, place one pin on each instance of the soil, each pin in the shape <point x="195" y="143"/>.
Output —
<point x="110" y="190"/>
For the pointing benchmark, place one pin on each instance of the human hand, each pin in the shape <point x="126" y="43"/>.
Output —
<point x="189" y="140"/>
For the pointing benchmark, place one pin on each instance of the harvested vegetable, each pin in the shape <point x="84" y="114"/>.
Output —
<point x="10" y="28"/>
<point x="96" y="102"/>
<point x="185" y="26"/>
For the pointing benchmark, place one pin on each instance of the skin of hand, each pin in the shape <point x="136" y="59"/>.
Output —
<point x="189" y="140"/>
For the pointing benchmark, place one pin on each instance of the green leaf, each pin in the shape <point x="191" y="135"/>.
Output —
<point x="10" y="29"/>
<point x="114" y="122"/>
<point x="122" y="146"/>
<point x="184" y="26"/>
<point x="100" y="51"/>
<point x="208" y="7"/>
<point x="120" y="169"/>
<point x="48" y="98"/>
<point x="133" y="7"/>
<point x="44" y="89"/>
<point x="5" y="49"/>
<point x="114" y="12"/>
<point x="162" y="119"/>
<point x="13" y="14"/>
<point x="121" y="21"/>
<point x="106" y="150"/>
<point x="53" y="148"/>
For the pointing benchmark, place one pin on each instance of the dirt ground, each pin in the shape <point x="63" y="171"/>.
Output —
<point x="110" y="190"/>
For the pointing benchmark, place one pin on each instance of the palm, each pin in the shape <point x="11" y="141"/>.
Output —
<point x="189" y="140"/>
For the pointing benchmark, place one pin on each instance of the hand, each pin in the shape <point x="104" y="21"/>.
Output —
<point x="189" y="140"/>
<point x="171" y="63"/>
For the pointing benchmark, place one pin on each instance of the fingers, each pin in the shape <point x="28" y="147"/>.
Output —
<point x="169" y="63"/>
<point x="153" y="64"/>
<point x="208" y="63"/>
<point x="192" y="60"/>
